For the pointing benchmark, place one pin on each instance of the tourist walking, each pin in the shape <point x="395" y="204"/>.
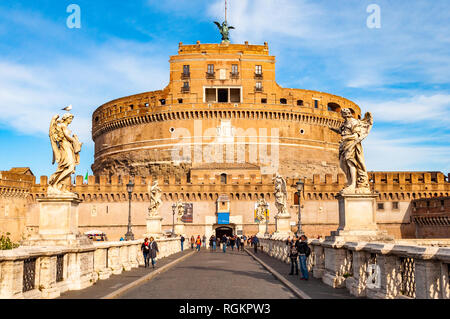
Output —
<point x="303" y="253"/>
<point x="204" y="241"/>
<point x="238" y="242"/>
<point x="224" y="243"/>
<point x="145" y="250"/>
<point x="192" y="242"/>
<point x="293" y="255"/>
<point x="153" y="251"/>
<point x="198" y="242"/>
<point x="255" y="242"/>
<point x="232" y="241"/>
<point x="182" y="239"/>
<point x="242" y="241"/>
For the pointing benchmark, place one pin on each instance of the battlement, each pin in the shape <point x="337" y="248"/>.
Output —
<point x="204" y="48"/>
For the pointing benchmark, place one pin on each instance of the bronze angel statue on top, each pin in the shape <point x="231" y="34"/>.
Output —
<point x="351" y="156"/>
<point x="224" y="30"/>
<point x="66" y="153"/>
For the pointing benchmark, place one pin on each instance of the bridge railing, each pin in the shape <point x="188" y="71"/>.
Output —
<point x="376" y="270"/>
<point x="46" y="272"/>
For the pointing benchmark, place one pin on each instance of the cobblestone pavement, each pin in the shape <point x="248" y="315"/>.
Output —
<point x="213" y="275"/>
<point x="314" y="287"/>
<point x="115" y="282"/>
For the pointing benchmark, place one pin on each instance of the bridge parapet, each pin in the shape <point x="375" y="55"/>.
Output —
<point x="403" y="270"/>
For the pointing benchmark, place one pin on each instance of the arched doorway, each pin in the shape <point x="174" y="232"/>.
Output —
<point x="224" y="230"/>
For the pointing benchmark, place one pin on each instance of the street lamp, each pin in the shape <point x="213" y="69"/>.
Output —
<point x="266" y="210"/>
<point x="300" y="184"/>
<point x="129" y="235"/>
<point x="174" y="207"/>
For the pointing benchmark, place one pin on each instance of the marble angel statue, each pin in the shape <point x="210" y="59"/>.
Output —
<point x="351" y="156"/>
<point x="180" y="210"/>
<point x="155" y="199"/>
<point x="66" y="153"/>
<point x="261" y="210"/>
<point x="280" y="195"/>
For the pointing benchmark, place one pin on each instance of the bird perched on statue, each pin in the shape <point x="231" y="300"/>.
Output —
<point x="68" y="108"/>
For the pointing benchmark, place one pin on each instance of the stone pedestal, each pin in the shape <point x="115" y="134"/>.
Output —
<point x="58" y="222"/>
<point x="357" y="219"/>
<point x="179" y="229"/>
<point x="261" y="230"/>
<point x="283" y="227"/>
<point x="154" y="227"/>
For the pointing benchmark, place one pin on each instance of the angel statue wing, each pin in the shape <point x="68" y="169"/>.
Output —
<point x="366" y="125"/>
<point x="218" y="25"/>
<point x="55" y="137"/>
<point x="283" y="185"/>
<point x="230" y="27"/>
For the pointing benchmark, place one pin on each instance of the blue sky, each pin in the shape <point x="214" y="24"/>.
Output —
<point x="399" y="72"/>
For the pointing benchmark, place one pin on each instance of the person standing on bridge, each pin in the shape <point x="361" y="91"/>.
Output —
<point x="204" y="241"/>
<point x="192" y="242"/>
<point x="198" y="242"/>
<point x="212" y="243"/>
<point x="153" y="250"/>
<point x="293" y="255"/>
<point x="304" y="251"/>
<point x="255" y="242"/>
<point x="238" y="242"/>
<point x="232" y="241"/>
<point x="182" y="239"/>
<point x="145" y="250"/>
<point x="242" y="242"/>
<point x="224" y="243"/>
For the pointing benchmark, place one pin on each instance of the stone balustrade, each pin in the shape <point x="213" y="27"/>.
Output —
<point x="376" y="270"/>
<point x="47" y="272"/>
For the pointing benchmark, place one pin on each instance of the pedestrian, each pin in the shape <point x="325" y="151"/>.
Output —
<point x="224" y="243"/>
<point x="238" y="242"/>
<point x="255" y="242"/>
<point x="204" y="241"/>
<point x="289" y="241"/>
<point x="182" y="239"/>
<point x="242" y="240"/>
<point x="303" y="253"/>
<point x="232" y="241"/>
<point x="145" y="250"/>
<point x="218" y="239"/>
<point x="198" y="242"/>
<point x="153" y="250"/>
<point x="192" y="241"/>
<point x="293" y="255"/>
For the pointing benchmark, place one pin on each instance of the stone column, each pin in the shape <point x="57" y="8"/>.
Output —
<point x="357" y="284"/>
<point x="179" y="229"/>
<point x="47" y="278"/>
<point x="283" y="227"/>
<point x="428" y="279"/>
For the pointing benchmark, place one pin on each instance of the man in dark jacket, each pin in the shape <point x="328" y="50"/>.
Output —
<point x="293" y="255"/>
<point x="153" y="250"/>
<point x="182" y="242"/>
<point x="303" y="253"/>
<point x="255" y="242"/>
<point x="224" y="243"/>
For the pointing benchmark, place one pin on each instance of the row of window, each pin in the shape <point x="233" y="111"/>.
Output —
<point x="210" y="69"/>
<point x="395" y="205"/>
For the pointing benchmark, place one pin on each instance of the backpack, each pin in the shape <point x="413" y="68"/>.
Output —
<point x="199" y="241"/>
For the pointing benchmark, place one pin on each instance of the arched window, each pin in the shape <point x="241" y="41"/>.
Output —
<point x="333" y="107"/>
<point x="300" y="102"/>
<point x="283" y="101"/>
<point x="223" y="178"/>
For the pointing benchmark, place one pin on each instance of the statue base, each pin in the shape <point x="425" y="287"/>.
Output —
<point x="283" y="227"/>
<point x="58" y="222"/>
<point x="357" y="219"/>
<point x="179" y="229"/>
<point x="261" y="230"/>
<point x="154" y="227"/>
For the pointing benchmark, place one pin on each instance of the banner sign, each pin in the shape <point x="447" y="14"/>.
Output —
<point x="223" y="218"/>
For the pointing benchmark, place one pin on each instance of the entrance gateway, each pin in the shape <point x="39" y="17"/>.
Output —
<point x="224" y="230"/>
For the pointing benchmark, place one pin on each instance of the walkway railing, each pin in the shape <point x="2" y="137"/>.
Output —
<point x="46" y="272"/>
<point x="376" y="270"/>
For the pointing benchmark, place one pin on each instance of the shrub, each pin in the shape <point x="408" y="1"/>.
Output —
<point x="6" y="242"/>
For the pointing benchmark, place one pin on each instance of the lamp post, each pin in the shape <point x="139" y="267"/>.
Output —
<point x="300" y="184"/>
<point x="129" y="235"/>
<point x="266" y="210"/>
<point x="174" y="207"/>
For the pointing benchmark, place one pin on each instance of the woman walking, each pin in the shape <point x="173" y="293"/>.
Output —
<point x="153" y="250"/>
<point x="192" y="241"/>
<point x="145" y="250"/>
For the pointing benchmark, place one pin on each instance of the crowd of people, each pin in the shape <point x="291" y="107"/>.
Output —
<point x="298" y="249"/>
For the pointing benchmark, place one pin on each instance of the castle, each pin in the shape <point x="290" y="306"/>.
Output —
<point x="217" y="135"/>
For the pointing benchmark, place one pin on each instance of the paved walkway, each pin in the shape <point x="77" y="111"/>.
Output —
<point x="313" y="287"/>
<point x="213" y="275"/>
<point x="104" y="287"/>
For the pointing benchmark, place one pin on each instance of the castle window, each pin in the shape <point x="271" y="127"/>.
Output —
<point x="223" y="178"/>
<point x="163" y="101"/>
<point x="283" y="101"/>
<point x="300" y="102"/>
<point x="302" y="131"/>
<point x="258" y="86"/>
<point x="316" y="104"/>
<point x="380" y="206"/>
<point x="186" y="70"/>
<point x="146" y="104"/>
<point x="180" y="101"/>
<point x="395" y="205"/>
<point x="235" y="95"/>
<point x="131" y="107"/>
<point x="264" y="101"/>
<point x="234" y="69"/>
<point x="333" y="107"/>
<point x="211" y="68"/>
<point x="211" y="95"/>
<point x="222" y="95"/>
<point x="258" y="69"/>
